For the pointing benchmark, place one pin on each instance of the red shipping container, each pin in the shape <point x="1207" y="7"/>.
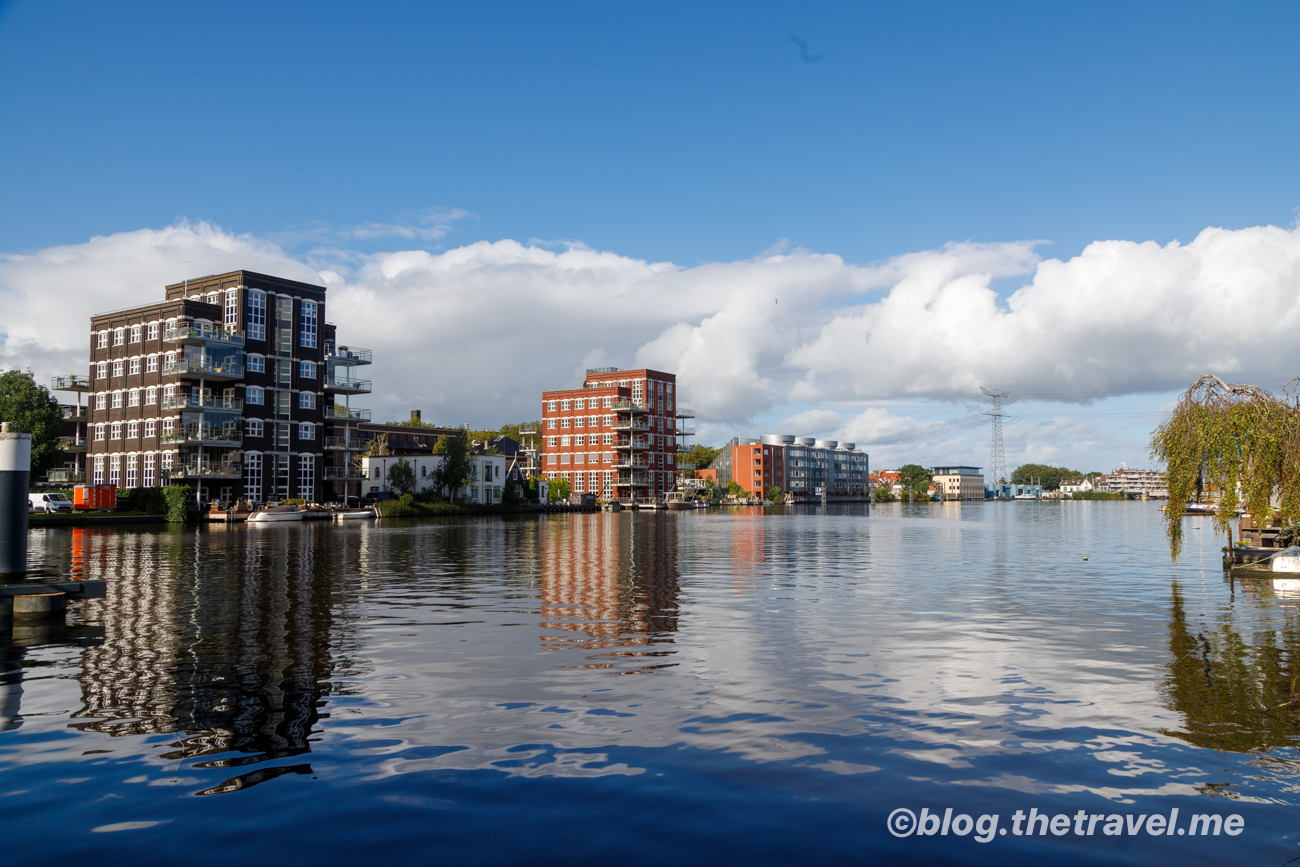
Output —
<point x="94" y="497"/>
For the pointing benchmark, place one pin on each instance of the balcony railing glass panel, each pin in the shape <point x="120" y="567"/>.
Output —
<point x="200" y="332"/>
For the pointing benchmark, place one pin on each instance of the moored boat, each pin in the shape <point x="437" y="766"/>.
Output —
<point x="276" y="515"/>
<point x="356" y="514"/>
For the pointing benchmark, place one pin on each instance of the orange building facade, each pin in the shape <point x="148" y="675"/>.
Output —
<point x="758" y="467"/>
<point x="616" y="436"/>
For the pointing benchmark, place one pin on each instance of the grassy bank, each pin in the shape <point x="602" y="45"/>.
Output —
<point x="417" y="509"/>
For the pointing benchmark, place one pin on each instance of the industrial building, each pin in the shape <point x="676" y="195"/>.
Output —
<point x="800" y="466"/>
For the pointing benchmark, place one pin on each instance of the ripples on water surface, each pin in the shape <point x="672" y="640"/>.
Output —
<point x="649" y="688"/>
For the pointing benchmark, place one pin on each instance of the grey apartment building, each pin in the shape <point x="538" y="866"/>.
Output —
<point x="234" y="385"/>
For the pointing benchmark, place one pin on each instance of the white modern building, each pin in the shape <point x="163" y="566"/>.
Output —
<point x="486" y="482"/>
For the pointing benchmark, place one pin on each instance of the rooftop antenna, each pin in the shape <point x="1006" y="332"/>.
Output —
<point x="997" y="457"/>
<point x="187" y="278"/>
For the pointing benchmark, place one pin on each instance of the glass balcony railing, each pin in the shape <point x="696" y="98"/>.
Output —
<point x="205" y="367"/>
<point x="344" y="474"/>
<point x="685" y="431"/>
<point x="334" y="412"/>
<point x="628" y="406"/>
<point x="635" y="443"/>
<point x="193" y="401"/>
<point x="198" y="332"/>
<point x="204" y="470"/>
<point x="685" y="413"/>
<point x="348" y="355"/>
<point x="71" y="382"/>
<point x="344" y="444"/>
<point x="66" y="475"/>
<point x="72" y="444"/>
<point x="347" y="384"/>
<point x="630" y="424"/>
<point x="74" y="413"/>
<point x="204" y="434"/>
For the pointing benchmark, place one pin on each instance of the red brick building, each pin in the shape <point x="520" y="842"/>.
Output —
<point x="615" y="437"/>
<point x="758" y="467"/>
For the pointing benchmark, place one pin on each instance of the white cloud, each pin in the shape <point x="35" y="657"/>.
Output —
<point x="475" y="333"/>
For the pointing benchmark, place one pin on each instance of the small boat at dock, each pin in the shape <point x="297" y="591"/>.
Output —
<point x="356" y="514"/>
<point x="276" y="515"/>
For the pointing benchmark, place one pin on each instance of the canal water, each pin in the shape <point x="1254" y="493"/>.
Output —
<point x="657" y="688"/>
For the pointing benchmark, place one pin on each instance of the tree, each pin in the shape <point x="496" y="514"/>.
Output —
<point x="457" y="462"/>
<point x="885" y="494"/>
<point x="378" y="446"/>
<point x="917" y="478"/>
<point x="401" y="477"/>
<point x="1235" y="443"/>
<point x="31" y="409"/>
<point x="703" y="456"/>
<point x="774" y="494"/>
<point x="559" y="490"/>
<point x="1042" y="474"/>
<point x="734" y="489"/>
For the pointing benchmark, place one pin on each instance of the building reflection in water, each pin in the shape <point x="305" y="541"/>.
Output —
<point x="609" y="583"/>
<point x="1237" y="690"/>
<point x="228" y="638"/>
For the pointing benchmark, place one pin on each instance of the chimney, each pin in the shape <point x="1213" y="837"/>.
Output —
<point x="415" y="416"/>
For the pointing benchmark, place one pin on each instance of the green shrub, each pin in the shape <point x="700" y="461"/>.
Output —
<point x="406" y="500"/>
<point x="150" y="501"/>
<point x="178" y="503"/>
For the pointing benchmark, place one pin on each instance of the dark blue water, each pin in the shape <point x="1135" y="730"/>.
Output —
<point x="654" y="688"/>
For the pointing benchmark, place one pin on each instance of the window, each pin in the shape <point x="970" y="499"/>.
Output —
<point x="133" y="430"/>
<point x="169" y="391"/>
<point x="306" y="431"/>
<point x="580" y="421"/>
<point x="214" y="298"/>
<point x="608" y="439"/>
<point x="253" y="427"/>
<point x="168" y="426"/>
<point x="256" y="364"/>
<point x="254" y="395"/>
<point x="119" y="336"/>
<point x="137" y="332"/>
<point x="580" y="440"/>
<point x="150" y="396"/>
<point x="608" y="420"/>
<point x="307" y="336"/>
<point x="552" y="442"/>
<point x="169" y="358"/>
<point x="119" y="368"/>
<point x="253" y="476"/>
<point x="580" y="403"/>
<point x="564" y="405"/>
<point x="117" y="400"/>
<point x="564" y="422"/>
<point x="151" y="364"/>
<point x="153" y="335"/>
<point x="135" y="367"/>
<point x="102" y="341"/>
<point x="564" y="458"/>
<point x="607" y="402"/>
<point x="550" y="424"/>
<point x="167" y="460"/>
<point x="230" y="317"/>
<point x="150" y="429"/>
<point x="101" y="370"/>
<point x="550" y="459"/>
<point x="115" y="470"/>
<point x="307" y="476"/>
<point x="256" y="321"/>
<point x="550" y="406"/>
<point x="593" y="457"/>
<point x="101" y="401"/>
<point x="115" y="431"/>
<point x="133" y="397"/>
<point x="593" y="421"/>
<point x="306" y="400"/>
<point x="307" y="369"/>
<point x="622" y="383"/>
<point x="565" y="442"/>
<point x="99" y="434"/>
<point x="578" y="458"/>
<point x="148" y="471"/>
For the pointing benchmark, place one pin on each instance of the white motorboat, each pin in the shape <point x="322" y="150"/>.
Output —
<point x="276" y="515"/>
<point x="356" y="514"/>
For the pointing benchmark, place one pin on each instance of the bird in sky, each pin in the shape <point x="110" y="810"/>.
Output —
<point x="804" y="54"/>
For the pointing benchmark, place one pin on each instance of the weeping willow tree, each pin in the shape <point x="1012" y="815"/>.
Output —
<point x="1235" y="444"/>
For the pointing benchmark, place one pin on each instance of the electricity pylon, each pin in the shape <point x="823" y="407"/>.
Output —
<point x="998" y="457"/>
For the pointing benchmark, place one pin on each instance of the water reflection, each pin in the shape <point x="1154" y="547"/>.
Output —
<point x="223" y="638"/>
<point x="610" y="584"/>
<point x="1236" y="690"/>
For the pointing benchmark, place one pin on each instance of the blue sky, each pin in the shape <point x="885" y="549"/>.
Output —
<point x="683" y="132"/>
<point x="343" y="142"/>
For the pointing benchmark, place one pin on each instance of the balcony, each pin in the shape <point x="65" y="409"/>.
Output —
<point x="345" y="474"/>
<point x="349" y="356"/>
<point x="72" y="444"/>
<point x="193" y="401"/>
<point x="204" y="435"/>
<point x="685" y="413"/>
<point x="685" y="431"/>
<point x="71" y="382"/>
<point x="625" y="464"/>
<point x="632" y="482"/>
<point x="74" y="413"/>
<point x="66" y="475"/>
<point x="343" y="444"/>
<point x="334" y="412"/>
<point x="347" y="385"/>
<point x="204" y="470"/>
<point x="196" y="332"/>
<point x="204" y="367"/>
<point x="635" y="443"/>
<point x="630" y="424"/>
<point x="628" y="406"/>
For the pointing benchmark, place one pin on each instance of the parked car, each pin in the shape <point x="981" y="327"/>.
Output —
<point x="379" y="497"/>
<point x="49" y="503"/>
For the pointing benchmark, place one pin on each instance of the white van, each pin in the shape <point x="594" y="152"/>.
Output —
<point x="49" y="503"/>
